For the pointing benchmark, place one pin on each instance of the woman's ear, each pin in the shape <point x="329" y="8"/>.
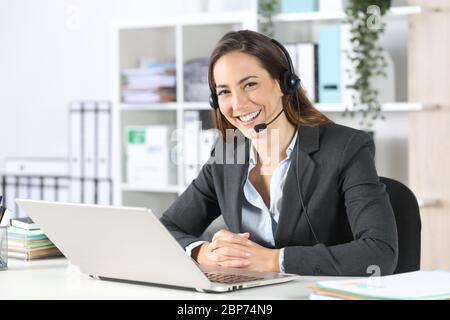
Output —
<point x="278" y="87"/>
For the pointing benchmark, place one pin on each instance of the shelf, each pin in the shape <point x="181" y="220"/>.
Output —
<point x="207" y="18"/>
<point x="161" y="189"/>
<point x="169" y="106"/>
<point x="428" y="202"/>
<point x="172" y="106"/>
<point x="196" y="106"/>
<point x="339" y="15"/>
<point x="387" y="107"/>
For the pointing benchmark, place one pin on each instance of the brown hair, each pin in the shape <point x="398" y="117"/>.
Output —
<point x="274" y="61"/>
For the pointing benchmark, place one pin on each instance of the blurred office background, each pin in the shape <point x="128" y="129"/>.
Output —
<point x="87" y="87"/>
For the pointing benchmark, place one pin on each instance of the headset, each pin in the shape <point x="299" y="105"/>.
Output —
<point x="289" y="84"/>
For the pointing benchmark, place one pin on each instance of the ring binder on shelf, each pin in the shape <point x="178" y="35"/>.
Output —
<point x="90" y="152"/>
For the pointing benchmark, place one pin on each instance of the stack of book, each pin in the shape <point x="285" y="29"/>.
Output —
<point x="26" y="241"/>
<point x="153" y="82"/>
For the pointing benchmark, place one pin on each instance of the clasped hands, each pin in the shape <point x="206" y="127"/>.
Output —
<point x="235" y="250"/>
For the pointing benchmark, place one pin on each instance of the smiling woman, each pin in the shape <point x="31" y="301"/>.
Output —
<point x="315" y="206"/>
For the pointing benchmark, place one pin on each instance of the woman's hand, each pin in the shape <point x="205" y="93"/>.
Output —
<point x="232" y="250"/>
<point x="227" y="249"/>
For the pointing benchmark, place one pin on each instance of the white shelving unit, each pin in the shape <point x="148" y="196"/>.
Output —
<point x="184" y="38"/>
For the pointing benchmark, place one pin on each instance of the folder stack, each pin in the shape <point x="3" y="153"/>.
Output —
<point x="153" y="82"/>
<point x="29" y="242"/>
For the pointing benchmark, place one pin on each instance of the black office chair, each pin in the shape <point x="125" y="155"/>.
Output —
<point x="407" y="217"/>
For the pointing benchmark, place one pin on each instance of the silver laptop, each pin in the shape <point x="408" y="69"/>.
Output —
<point x="127" y="243"/>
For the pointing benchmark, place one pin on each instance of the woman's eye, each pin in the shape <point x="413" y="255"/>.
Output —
<point x="222" y="92"/>
<point x="250" y="84"/>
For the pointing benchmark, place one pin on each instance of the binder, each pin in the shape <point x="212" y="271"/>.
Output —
<point x="75" y="151"/>
<point x="330" y="5"/>
<point x="90" y="152"/>
<point x="191" y="138"/>
<point x="330" y="63"/>
<point x="292" y="50"/>
<point x="75" y="142"/>
<point x="104" y="132"/>
<point x="288" y="6"/>
<point x="104" y="191"/>
<point x="307" y="68"/>
<point x="89" y="135"/>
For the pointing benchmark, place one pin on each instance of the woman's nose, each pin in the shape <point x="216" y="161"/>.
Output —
<point x="240" y="100"/>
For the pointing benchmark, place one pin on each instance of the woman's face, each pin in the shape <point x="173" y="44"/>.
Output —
<point x="246" y="92"/>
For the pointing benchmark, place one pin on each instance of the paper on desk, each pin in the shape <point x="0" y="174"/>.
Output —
<point x="405" y="286"/>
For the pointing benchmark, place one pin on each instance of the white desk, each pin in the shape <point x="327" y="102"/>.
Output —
<point x="58" y="279"/>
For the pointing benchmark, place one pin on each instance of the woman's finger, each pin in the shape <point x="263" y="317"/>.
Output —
<point x="233" y="263"/>
<point x="238" y="238"/>
<point x="216" y="244"/>
<point x="232" y="252"/>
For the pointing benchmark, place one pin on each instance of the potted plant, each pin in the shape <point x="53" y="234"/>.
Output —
<point x="266" y="10"/>
<point x="366" y="26"/>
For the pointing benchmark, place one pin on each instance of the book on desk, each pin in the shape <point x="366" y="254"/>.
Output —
<point x="27" y="242"/>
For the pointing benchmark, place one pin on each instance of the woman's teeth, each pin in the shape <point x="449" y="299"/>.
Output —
<point x="249" y="116"/>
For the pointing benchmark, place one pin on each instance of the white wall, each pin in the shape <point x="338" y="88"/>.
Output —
<point x="47" y="59"/>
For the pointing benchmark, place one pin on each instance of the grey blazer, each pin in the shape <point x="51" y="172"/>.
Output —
<point x="348" y="207"/>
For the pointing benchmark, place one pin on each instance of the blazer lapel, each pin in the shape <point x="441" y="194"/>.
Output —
<point x="291" y="208"/>
<point x="235" y="173"/>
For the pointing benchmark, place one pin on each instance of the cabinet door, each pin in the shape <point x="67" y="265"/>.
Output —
<point x="429" y="178"/>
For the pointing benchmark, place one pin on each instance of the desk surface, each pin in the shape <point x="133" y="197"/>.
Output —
<point x="59" y="279"/>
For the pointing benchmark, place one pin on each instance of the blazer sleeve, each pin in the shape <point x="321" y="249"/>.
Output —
<point x="370" y="216"/>
<point x="194" y="210"/>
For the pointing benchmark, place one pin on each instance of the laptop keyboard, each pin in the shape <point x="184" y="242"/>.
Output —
<point x="229" y="278"/>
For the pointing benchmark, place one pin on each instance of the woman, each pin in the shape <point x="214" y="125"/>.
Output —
<point x="306" y="199"/>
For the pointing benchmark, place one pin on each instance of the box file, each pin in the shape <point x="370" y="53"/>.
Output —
<point x="330" y="63"/>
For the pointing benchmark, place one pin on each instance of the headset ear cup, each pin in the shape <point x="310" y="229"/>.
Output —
<point x="285" y="82"/>
<point x="290" y="82"/>
<point x="294" y="82"/>
<point x="213" y="101"/>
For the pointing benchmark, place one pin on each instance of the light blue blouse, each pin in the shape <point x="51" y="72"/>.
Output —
<point x="257" y="219"/>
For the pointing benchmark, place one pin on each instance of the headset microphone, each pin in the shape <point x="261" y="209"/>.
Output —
<point x="260" y="127"/>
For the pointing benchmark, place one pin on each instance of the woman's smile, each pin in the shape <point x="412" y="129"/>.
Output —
<point x="248" y="119"/>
